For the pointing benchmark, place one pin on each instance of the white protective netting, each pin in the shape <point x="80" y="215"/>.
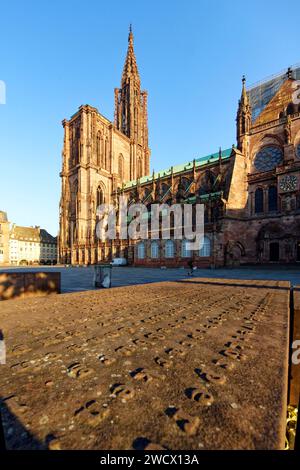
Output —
<point x="261" y="93"/>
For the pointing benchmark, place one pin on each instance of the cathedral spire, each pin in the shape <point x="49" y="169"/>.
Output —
<point x="131" y="116"/>
<point x="243" y="114"/>
<point x="244" y="97"/>
<point x="130" y="70"/>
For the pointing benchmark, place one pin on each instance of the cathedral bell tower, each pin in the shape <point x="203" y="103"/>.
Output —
<point x="131" y="114"/>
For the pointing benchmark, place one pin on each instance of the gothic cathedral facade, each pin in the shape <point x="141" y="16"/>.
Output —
<point x="251" y="192"/>
<point x="98" y="157"/>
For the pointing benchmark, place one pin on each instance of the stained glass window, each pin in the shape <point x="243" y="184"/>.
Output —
<point x="268" y="158"/>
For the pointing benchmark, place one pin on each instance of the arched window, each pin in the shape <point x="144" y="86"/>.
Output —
<point x="291" y="108"/>
<point x="121" y="166"/>
<point x="205" y="250"/>
<point x="135" y="121"/>
<point x="274" y="251"/>
<point x="139" y="168"/>
<point x="164" y="189"/>
<point x="272" y="198"/>
<point x="186" y="183"/>
<point x="99" y="149"/>
<point x="259" y="201"/>
<point x="76" y="145"/>
<point x="169" y="249"/>
<point x="154" y="250"/>
<point x="74" y="197"/>
<point x="216" y="213"/>
<point x="100" y="196"/>
<point x="106" y="155"/>
<point x="185" y="252"/>
<point x="268" y="158"/>
<point x="141" y="250"/>
<point x="206" y="215"/>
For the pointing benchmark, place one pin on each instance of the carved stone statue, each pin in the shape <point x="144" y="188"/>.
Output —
<point x="288" y="130"/>
<point x="288" y="203"/>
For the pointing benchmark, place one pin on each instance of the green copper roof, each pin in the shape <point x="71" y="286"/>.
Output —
<point x="205" y="197"/>
<point x="180" y="168"/>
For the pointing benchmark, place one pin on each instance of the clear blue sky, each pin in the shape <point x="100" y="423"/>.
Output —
<point x="56" y="55"/>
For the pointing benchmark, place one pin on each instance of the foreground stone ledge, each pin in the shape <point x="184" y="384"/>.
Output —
<point x="195" y="364"/>
<point x="294" y="398"/>
<point x="28" y="284"/>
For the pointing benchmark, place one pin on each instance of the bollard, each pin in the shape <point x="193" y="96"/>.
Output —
<point x="102" y="276"/>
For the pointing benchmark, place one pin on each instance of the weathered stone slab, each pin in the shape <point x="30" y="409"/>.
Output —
<point x="295" y="368"/>
<point x="195" y="364"/>
<point x="28" y="284"/>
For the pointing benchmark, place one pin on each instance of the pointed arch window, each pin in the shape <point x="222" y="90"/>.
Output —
<point x="154" y="250"/>
<point x="139" y="168"/>
<point x="259" y="201"/>
<point x="205" y="249"/>
<point x="141" y="250"/>
<point x="272" y="199"/>
<point x="206" y="215"/>
<point x="121" y="167"/>
<point x="99" y="149"/>
<point x="100" y="196"/>
<point x="185" y="251"/>
<point x="267" y="158"/>
<point x="106" y="154"/>
<point x="169" y="249"/>
<point x="74" y="197"/>
<point x="135" y="121"/>
<point x="291" y="108"/>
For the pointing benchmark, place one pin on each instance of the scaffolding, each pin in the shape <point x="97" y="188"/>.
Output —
<point x="262" y="92"/>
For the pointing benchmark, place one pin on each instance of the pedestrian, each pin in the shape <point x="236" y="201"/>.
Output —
<point x="191" y="267"/>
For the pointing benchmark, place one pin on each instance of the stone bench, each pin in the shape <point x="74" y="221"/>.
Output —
<point x="28" y="284"/>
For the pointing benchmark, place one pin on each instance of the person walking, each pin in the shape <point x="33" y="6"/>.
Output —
<point x="191" y="267"/>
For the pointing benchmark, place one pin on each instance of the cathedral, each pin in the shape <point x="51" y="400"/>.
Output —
<point x="251" y="192"/>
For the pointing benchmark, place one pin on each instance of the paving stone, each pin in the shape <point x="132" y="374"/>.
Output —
<point x="163" y="366"/>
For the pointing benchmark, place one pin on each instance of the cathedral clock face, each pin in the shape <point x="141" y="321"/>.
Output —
<point x="268" y="158"/>
<point x="288" y="183"/>
<point x="298" y="150"/>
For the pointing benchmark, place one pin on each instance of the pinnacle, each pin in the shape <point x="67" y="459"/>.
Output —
<point x="130" y="69"/>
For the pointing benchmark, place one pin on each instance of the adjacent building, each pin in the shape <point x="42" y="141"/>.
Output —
<point x="32" y="245"/>
<point x="251" y="191"/>
<point x="4" y="238"/>
<point x="25" y="245"/>
<point x="48" y="247"/>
